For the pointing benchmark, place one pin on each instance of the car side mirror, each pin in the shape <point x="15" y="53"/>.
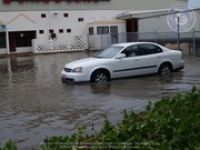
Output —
<point x="121" y="55"/>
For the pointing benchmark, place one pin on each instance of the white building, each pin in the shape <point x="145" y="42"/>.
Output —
<point x="63" y="25"/>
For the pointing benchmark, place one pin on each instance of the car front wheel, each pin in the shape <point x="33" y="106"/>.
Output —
<point x="99" y="76"/>
<point x="164" y="69"/>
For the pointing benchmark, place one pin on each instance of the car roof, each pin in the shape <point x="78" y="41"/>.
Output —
<point x="132" y="43"/>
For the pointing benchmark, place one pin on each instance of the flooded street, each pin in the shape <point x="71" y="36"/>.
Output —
<point x="35" y="104"/>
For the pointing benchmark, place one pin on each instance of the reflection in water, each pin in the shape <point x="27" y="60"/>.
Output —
<point x="100" y="88"/>
<point x="34" y="103"/>
<point x="15" y="64"/>
<point x="21" y="63"/>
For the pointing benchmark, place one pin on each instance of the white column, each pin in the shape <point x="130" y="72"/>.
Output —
<point x="7" y="42"/>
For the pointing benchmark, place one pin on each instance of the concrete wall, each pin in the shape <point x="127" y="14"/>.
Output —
<point x="101" y="5"/>
<point x="103" y="41"/>
<point x="160" y="24"/>
<point x="31" y="20"/>
<point x="55" y="20"/>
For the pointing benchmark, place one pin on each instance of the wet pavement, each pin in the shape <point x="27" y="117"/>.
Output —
<point x="35" y="104"/>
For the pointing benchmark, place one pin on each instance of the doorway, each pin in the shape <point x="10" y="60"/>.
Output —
<point x="19" y="39"/>
<point x="132" y="29"/>
<point x="12" y="43"/>
<point x="114" y="34"/>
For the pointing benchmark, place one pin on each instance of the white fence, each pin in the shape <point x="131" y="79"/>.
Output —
<point x="57" y="45"/>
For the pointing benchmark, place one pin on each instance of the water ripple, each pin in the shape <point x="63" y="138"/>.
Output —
<point x="35" y="104"/>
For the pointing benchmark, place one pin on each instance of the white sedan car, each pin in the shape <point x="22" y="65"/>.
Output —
<point x="124" y="60"/>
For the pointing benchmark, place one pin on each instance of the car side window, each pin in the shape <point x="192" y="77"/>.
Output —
<point x="131" y="51"/>
<point x="146" y="49"/>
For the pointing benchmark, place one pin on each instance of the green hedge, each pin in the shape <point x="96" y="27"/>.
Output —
<point x="173" y="123"/>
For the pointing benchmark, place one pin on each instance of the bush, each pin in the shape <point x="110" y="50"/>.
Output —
<point x="173" y="123"/>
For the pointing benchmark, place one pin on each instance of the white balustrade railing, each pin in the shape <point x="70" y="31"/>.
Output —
<point x="56" y="45"/>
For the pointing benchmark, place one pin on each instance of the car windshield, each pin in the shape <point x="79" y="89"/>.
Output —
<point x="109" y="52"/>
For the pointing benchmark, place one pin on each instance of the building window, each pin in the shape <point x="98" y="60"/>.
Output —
<point x="91" y="31"/>
<point x="2" y="40"/>
<point x="68" y="30"/>
<point x="41" y="31"/>
<point x="43" y="15"/>
<point x="103" y="30"/>
<point x="50" y="31"/>
<point x="65" y="15"/>
<point x="114" y="29"/>
<point x="60" y="30"/>
<point x="80" y="19"/>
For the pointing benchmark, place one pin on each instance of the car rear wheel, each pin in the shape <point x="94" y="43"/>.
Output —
<point x="99" y="76"/>
<point x="165" y="69"/>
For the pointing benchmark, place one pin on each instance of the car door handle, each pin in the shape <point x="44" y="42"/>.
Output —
<point x="136" y="59"/>
<point x="159" y="57"/>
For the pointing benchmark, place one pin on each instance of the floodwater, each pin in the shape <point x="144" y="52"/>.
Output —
<point x="35" y="104"/>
